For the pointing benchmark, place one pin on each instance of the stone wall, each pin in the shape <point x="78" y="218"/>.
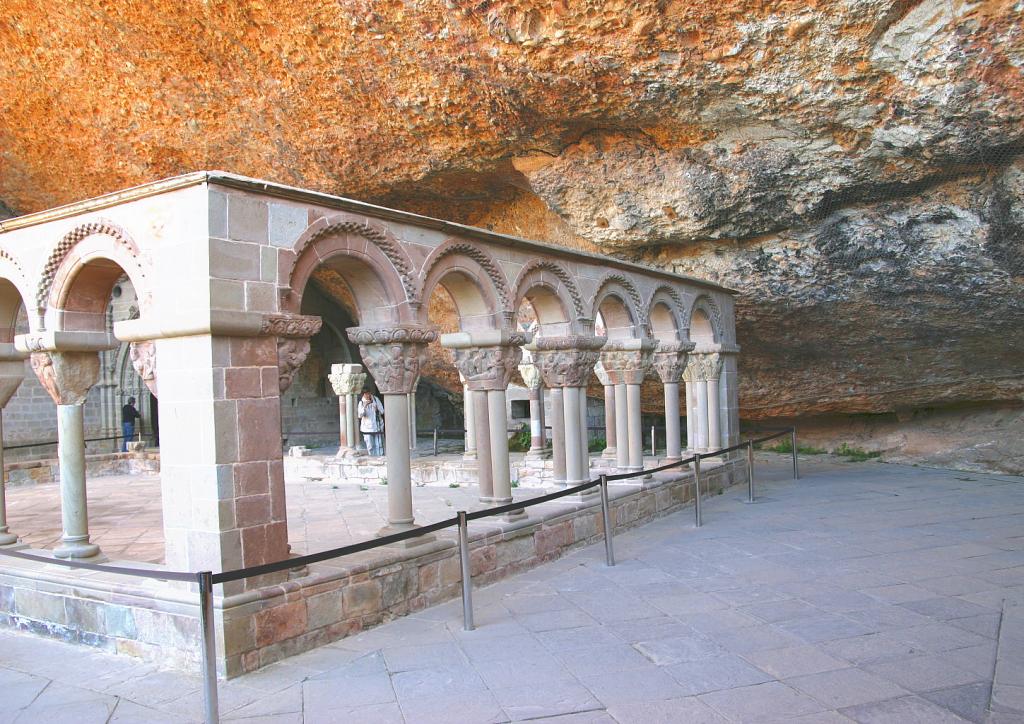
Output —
<point x="47" y="470"/>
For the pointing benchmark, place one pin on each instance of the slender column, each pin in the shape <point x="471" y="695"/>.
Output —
<point x="536" y="421"/>
<point x="501" y="471"/>
<point x="558" y="436"/>
<point x="714" y="429"/>
<point x="67" y="376"/>
<point x="702" y="416"/>
<point x="634" y="429"/>
<point x="485" y="463"/>
<point x="468" y="421"/>
<point x="6" y="537"/>
<point x="542" y="415"/>
<point x="609" y="452"/>
<point x="571" y="422"/>
<point x="672" y="437"/>
<point x="691" y="415"/>
<point x="394" y="357"/>
<point x="621" y="428"/>
<point x="412" y="419"/>
<point x="584" y="434"/>
<point x="347" y="381"/>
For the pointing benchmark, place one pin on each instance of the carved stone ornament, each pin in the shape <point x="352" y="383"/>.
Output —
<point x="602" y="374"/>
<point x="393" y="355"/>
<point x="290" y="325"/>
<point x="291" y="353"/>
<point x="488" y="368"/>
<point x="567" y="361"/>
<point x="628" y="365"/>
<point x="670" y="361"/>
<point x="143" y="357"/>
<point x="347" y="379"/>
<point x="703" y="366"/>
<point x="67" y="376"/>
<point x="530" y="374"/>
<point x="712" y="366"/>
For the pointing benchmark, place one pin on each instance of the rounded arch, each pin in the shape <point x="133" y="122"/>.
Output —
<point x="15" y="295"/>
<point x="621" y="308"/>
<point x="553" y="294"/>
<point x="473" y="280"/>
<point x="705" y="321"/>
<point x="367" y="258"/>
<point x="665" y="314"/>
<point x="81" y="284"/>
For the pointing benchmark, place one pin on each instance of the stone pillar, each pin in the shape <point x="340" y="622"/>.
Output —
<point x="729" y="384"/>
<point x="621" y="428"/>
<point x="670" y="363"/>
<point x="468" y="421"/>
<point x="485" y="465"/>
<point x="691" y="414"/>
<point x="394" y="357"/>
<point x="712" y="373"/>
<point x="531" y="376"/>
<point x="67" y="376"/>
<point x="584" y="434"/>
<point x="348" y="381"/>
<point x="487" y="361"/>
<point x="609" y="452"/>
<point x="12" y="372"/>
<point x="695" y="369"/>
<point x="412" y="418"/>
<point x="557" y="437"/>
<point x="628" y="361"/>
<point x="567" y="363"/>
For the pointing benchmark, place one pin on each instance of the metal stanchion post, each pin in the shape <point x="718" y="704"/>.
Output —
<point x="209" y="648"/>
<point x="750" y="471"/>
<point x="796" y="468"/>
<point x="467" y="576"/>
<point x="435" y="442"/>
<point x="606" y="514"/>
<point x="696" y="490"/>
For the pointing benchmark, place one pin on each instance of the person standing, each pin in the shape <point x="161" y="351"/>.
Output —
<point x="128" y="417"/>
<point x="371" y="424"/>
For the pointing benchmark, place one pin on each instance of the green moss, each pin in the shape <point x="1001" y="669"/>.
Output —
<point x="520" y="442"/>
<point x="597" y="444"/>
<point x="855" y="454"/>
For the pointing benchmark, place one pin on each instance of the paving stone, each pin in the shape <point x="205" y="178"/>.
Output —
<point x="720" y="672"/>
<point x="634" y="685"/>
<point x="369" y="714"/>
<point x="946" y="607"/>
<point x="905" y="710"/>
<point x="773" y="700"/>
<point x="825" y="627"/>
<point x="690" y="710"/>
<point x="759" y="638"/>
<point x="969" y="701"/>
<point x="846" y="687"/>
<point x="548" y="699"/>
<point x="676" y="649"/>
<point x="603" y="659"/>
<point x="794" y="661"/>
<point x="406" y="658"/>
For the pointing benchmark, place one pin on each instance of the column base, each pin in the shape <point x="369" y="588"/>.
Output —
<point x="469" y="457"/>
<point x="10" y="542"/>
<point x="538" y="454"/>
<point x="609" y="453"/>
<point x="78" y="550"/>
<point x="392" y="528"/>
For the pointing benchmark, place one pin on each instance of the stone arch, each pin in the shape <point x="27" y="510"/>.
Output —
<point x="620" y="306"/>
<point x="553" y="293"/>
<point x="705" y="321"/>
<point x="81" y="283"/>
<point x="376" y="268"/>
<point x="666" y="314"/>
<point x="473" y="279"/>
<point x="15" y="293"/>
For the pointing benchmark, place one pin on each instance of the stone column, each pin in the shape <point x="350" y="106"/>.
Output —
<point x="487" y="361"/>
<point x="609" y="452"/>
<point x="670" y="363"/>
<point x="557" y="437"/>
<point x="712" y="373"/>
<point x="628" y="361"/>
<point x="394" y="357"/>
<point x="12" y="372"/>
<point x="67" y="376"/>
<point x="348" y="381"/>
<point x="412" y="418"/>
<point x="621" y="426"/>
<point x="482" y="427"/>
<point x="691" y="413"/>
<point x="567" y="363"/>
<point x="468" y="421"/>
<point x="695" y="369"/>
<point x="584" y="434"/>
<point x="531" y="376"/>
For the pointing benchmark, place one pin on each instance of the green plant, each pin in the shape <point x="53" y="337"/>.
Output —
<point x="855" y="454"/>
<point x="520" y="442"/>
<point x="597" y="444"/>
<point x="785" y="445"/>
<point x="515" y="483"/>
<point x="453" y="485"/>
<point x="383" y="481"/>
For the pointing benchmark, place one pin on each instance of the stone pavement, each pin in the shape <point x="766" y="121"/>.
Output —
<point x="864" y="592"/>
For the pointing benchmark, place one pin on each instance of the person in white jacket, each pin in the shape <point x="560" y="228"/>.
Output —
<point x="371" y="424"/>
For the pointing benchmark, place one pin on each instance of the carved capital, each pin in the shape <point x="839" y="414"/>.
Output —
<point x="488" y="368"/>
<point x="703" y="366"/>
<point x="529" y="372"/>
<point x="143" y="357"/>
<point x="670" y="361"/>
<point x="67" y="376"/>
<point x="291" y="353"/>
<point x="393" y="355"/>
<point x="567" y="361"/>
<point x="602" y="374"/>
<point x="712" y="366"/>
<point x="626" y="365"/>
<point x="347" y="379"/>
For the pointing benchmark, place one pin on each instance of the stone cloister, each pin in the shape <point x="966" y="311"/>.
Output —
<point x="221" y="265"/>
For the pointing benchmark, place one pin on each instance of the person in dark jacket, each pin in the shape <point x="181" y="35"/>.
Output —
<point x="128" y="417"/>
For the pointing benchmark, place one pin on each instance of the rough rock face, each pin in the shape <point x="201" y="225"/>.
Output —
<point x="848" y="166"/>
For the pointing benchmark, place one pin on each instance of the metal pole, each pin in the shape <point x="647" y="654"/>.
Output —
<point x="209" y="648"/>
<point x="467" y="576"/>
<point x="435" y="442"/>
<point x="606" y="514"/>
<point x="750" y="471"/>
<point x="696" y="490"/>
<point x="654" y="449"/>
<point x="796" y="468"/>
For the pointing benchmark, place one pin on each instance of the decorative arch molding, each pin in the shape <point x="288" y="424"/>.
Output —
<point x="378" y="235"/>
<point x="639" y="309"/>
<point x="547" y="265"/>
<point x="67" y="244"/>
<point x="674" y="302"/>
<point x="484" y="260"/>
<point x="707" y="305"/>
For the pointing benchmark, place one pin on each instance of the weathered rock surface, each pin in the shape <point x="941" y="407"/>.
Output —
<point x="848" y="166"/>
